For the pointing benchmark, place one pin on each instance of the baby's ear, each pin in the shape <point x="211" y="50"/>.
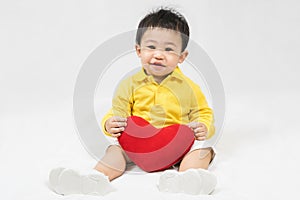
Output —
<point x="183" y="56"/>
<point x="138" y="50"/>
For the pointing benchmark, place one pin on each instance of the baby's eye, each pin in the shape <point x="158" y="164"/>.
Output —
<point x="169" y="49"/>
<point x="151" y="47"/>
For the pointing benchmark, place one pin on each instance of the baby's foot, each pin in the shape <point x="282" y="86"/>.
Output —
<point x="69" y="181"/>
<point x="192" y="181"/>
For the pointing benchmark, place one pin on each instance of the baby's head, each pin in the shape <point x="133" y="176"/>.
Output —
<point x="161" y="42"/>
<point x="165" y="19"/>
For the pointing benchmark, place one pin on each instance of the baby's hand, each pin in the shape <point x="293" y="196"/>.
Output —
<point x="199" y="129"/>
<point x="115" y="125"/>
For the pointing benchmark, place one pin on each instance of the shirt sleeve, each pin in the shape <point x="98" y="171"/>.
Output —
<point x="121" y="103"/>
<point x="201" y="112"/>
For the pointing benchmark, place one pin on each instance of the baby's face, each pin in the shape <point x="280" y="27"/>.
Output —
<point x="160" y="52"/>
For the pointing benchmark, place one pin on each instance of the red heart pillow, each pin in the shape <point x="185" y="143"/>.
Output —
<point x="155" y="149"/>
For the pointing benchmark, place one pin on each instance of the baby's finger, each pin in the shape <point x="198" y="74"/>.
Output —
<point x="116" y="135"/>
<point x="199" y="129"/>
<point x="118" y="119"/>
<point x="201" y="134"/>
<point x="118" y="124"/>
<point x="116" y="130"/>
<point x="200" y="138"/>
<point x="193" y="125"/>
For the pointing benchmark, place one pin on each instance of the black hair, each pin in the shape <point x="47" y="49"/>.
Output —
<point x="164" y="18"/>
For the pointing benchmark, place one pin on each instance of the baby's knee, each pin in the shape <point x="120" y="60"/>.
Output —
<point x="114" y="148"/>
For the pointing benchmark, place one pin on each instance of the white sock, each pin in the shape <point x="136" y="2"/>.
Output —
<point x="192" y="181"/>
<point x="70" y="181"/>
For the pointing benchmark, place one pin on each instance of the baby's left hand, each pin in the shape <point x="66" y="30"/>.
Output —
<point x="199" y="129"/>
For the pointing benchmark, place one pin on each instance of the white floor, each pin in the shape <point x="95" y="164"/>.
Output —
<point x="257" y="153"/>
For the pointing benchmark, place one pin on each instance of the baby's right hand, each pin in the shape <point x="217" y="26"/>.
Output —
<point x="115" y="125"/>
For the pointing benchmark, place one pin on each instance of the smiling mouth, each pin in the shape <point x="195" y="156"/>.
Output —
<point x="157" y="64"/>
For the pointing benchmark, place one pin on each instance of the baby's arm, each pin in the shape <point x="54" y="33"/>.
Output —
<point x="114" y="122"/>
<point x="115" y="125"/>
<point x="201" y="116"/>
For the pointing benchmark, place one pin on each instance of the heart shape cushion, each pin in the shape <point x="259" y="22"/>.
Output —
<point x="154" y="149"/>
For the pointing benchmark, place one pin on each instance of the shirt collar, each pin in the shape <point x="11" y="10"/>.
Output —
<point x="142" y="76"/>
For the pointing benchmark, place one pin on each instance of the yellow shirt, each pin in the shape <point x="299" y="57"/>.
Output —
<point x="176" y="100"/>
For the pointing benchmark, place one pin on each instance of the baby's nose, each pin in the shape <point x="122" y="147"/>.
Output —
<point x="158" y="54"/>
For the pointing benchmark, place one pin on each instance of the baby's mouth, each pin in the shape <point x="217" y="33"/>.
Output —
<point x="157" y="64"/>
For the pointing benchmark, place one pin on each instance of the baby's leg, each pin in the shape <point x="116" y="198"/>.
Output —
<point x="113" y="163"/>
<point x="199" y="158"/>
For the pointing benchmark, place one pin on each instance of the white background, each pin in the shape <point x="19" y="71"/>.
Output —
<point x="254" y="44"/>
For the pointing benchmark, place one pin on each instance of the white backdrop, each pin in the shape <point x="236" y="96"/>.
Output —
<point x="254" y="44"/>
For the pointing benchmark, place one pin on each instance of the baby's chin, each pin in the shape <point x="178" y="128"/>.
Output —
<point x="159" y="70"/>
<point x="159" y="74"/>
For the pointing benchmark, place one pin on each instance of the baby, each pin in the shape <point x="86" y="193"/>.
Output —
<point x="161" y="94"/>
